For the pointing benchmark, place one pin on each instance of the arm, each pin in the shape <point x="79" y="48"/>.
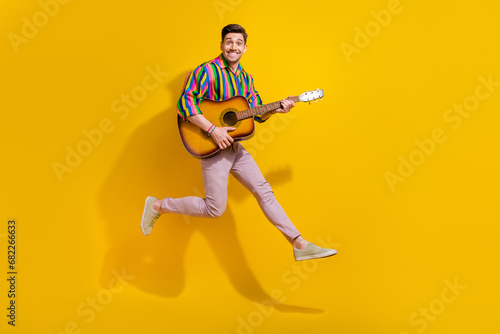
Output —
<point x="219" y="135"/>
<point x="194" y="89"/>
<point x="254" y="100"/>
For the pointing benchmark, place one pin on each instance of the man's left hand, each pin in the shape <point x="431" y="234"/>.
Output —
<point x="286" y="105"/>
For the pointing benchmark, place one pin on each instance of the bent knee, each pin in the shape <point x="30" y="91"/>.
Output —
<point x="215" y="211"/>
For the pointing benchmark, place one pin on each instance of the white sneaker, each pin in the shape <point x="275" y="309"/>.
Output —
<point x="312" y="252"/>
<point x="149" y="216"/>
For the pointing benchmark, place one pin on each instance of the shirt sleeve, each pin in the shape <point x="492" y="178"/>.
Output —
<point x="195" y="87"/>
<point x="253" y="98"/>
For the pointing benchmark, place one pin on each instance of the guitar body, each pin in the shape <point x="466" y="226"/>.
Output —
<point x="220" y="113"/>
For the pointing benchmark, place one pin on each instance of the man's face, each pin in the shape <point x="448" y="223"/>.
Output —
<point x="233" y="47"/>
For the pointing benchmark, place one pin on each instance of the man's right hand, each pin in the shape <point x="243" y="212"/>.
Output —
<point x="221" y="136"/>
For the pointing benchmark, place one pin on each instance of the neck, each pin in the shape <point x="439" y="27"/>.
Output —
<point x="247" y="113"/>
<point x="233" y="66"/>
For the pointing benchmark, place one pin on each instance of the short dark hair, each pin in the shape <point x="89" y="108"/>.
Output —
<point x="234" y="28"/>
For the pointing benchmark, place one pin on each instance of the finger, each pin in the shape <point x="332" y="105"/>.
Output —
<point x="228" y="128"/>
<point x="222" y="144"/>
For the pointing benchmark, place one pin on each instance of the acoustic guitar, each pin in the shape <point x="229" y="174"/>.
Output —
<point x="233" y="112"/>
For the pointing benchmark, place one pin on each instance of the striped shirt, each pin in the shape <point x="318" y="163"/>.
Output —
<point x="214" y="80"/>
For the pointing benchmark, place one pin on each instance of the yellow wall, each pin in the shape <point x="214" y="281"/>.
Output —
<point x="396" y="168"/>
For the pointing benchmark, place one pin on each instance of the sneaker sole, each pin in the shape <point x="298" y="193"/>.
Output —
<point x="149" y="202"/>
<point x="315" y="256"/>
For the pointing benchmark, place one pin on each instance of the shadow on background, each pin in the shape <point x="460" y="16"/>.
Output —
<point x="154" y="162"/>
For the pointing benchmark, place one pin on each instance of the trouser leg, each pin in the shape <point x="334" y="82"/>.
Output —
<point x="245" y="169"/>
<point x="215" y="171"/>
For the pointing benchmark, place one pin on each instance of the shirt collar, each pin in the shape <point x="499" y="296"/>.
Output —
<point x="221" y="61"/>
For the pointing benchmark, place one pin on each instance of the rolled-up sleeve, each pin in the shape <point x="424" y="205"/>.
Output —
<point x="195" y="87"/>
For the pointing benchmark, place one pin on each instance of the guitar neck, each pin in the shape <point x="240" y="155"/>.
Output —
<point x="247" y="113"/>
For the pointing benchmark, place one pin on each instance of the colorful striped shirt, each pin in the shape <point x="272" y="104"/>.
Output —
<point x="214" y="80"/>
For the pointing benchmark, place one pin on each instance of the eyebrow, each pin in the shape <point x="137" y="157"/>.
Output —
<point x="230" y="39"/>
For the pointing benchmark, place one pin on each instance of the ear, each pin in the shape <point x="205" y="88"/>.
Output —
<point x="221" y="46"/>
<point x="245" y="49"/>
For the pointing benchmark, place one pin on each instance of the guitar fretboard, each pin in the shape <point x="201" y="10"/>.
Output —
<point x="247" y="113"/>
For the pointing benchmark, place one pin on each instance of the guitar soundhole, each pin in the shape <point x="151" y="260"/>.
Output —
<point x="230" y="118"/>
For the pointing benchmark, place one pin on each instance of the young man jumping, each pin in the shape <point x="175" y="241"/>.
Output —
<point x="219" y="80"/>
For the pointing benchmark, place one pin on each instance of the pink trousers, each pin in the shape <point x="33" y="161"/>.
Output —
<point x="237" y="161"/>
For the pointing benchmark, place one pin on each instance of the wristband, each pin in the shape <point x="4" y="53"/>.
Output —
<point x="211" y="129"/>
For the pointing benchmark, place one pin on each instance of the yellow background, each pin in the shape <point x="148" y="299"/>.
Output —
<point x="327" y="164"/>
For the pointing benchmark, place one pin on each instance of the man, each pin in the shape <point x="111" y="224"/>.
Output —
<point x="220" y="79"/>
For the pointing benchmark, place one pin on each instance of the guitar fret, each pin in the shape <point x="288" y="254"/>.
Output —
<point x="259" y="110"/>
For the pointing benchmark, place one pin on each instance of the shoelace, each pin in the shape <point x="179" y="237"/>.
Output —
<point x="156" y="215"/>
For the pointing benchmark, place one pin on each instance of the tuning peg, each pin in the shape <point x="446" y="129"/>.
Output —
<point x="321" y="99"/>
<point x="309" y="102"/>
<point x="315" y="100"/>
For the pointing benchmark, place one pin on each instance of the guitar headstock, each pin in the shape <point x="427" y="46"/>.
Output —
<point x="311" y="95"/>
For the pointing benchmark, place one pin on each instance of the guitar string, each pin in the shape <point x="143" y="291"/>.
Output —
<point x="247" y="113"/>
